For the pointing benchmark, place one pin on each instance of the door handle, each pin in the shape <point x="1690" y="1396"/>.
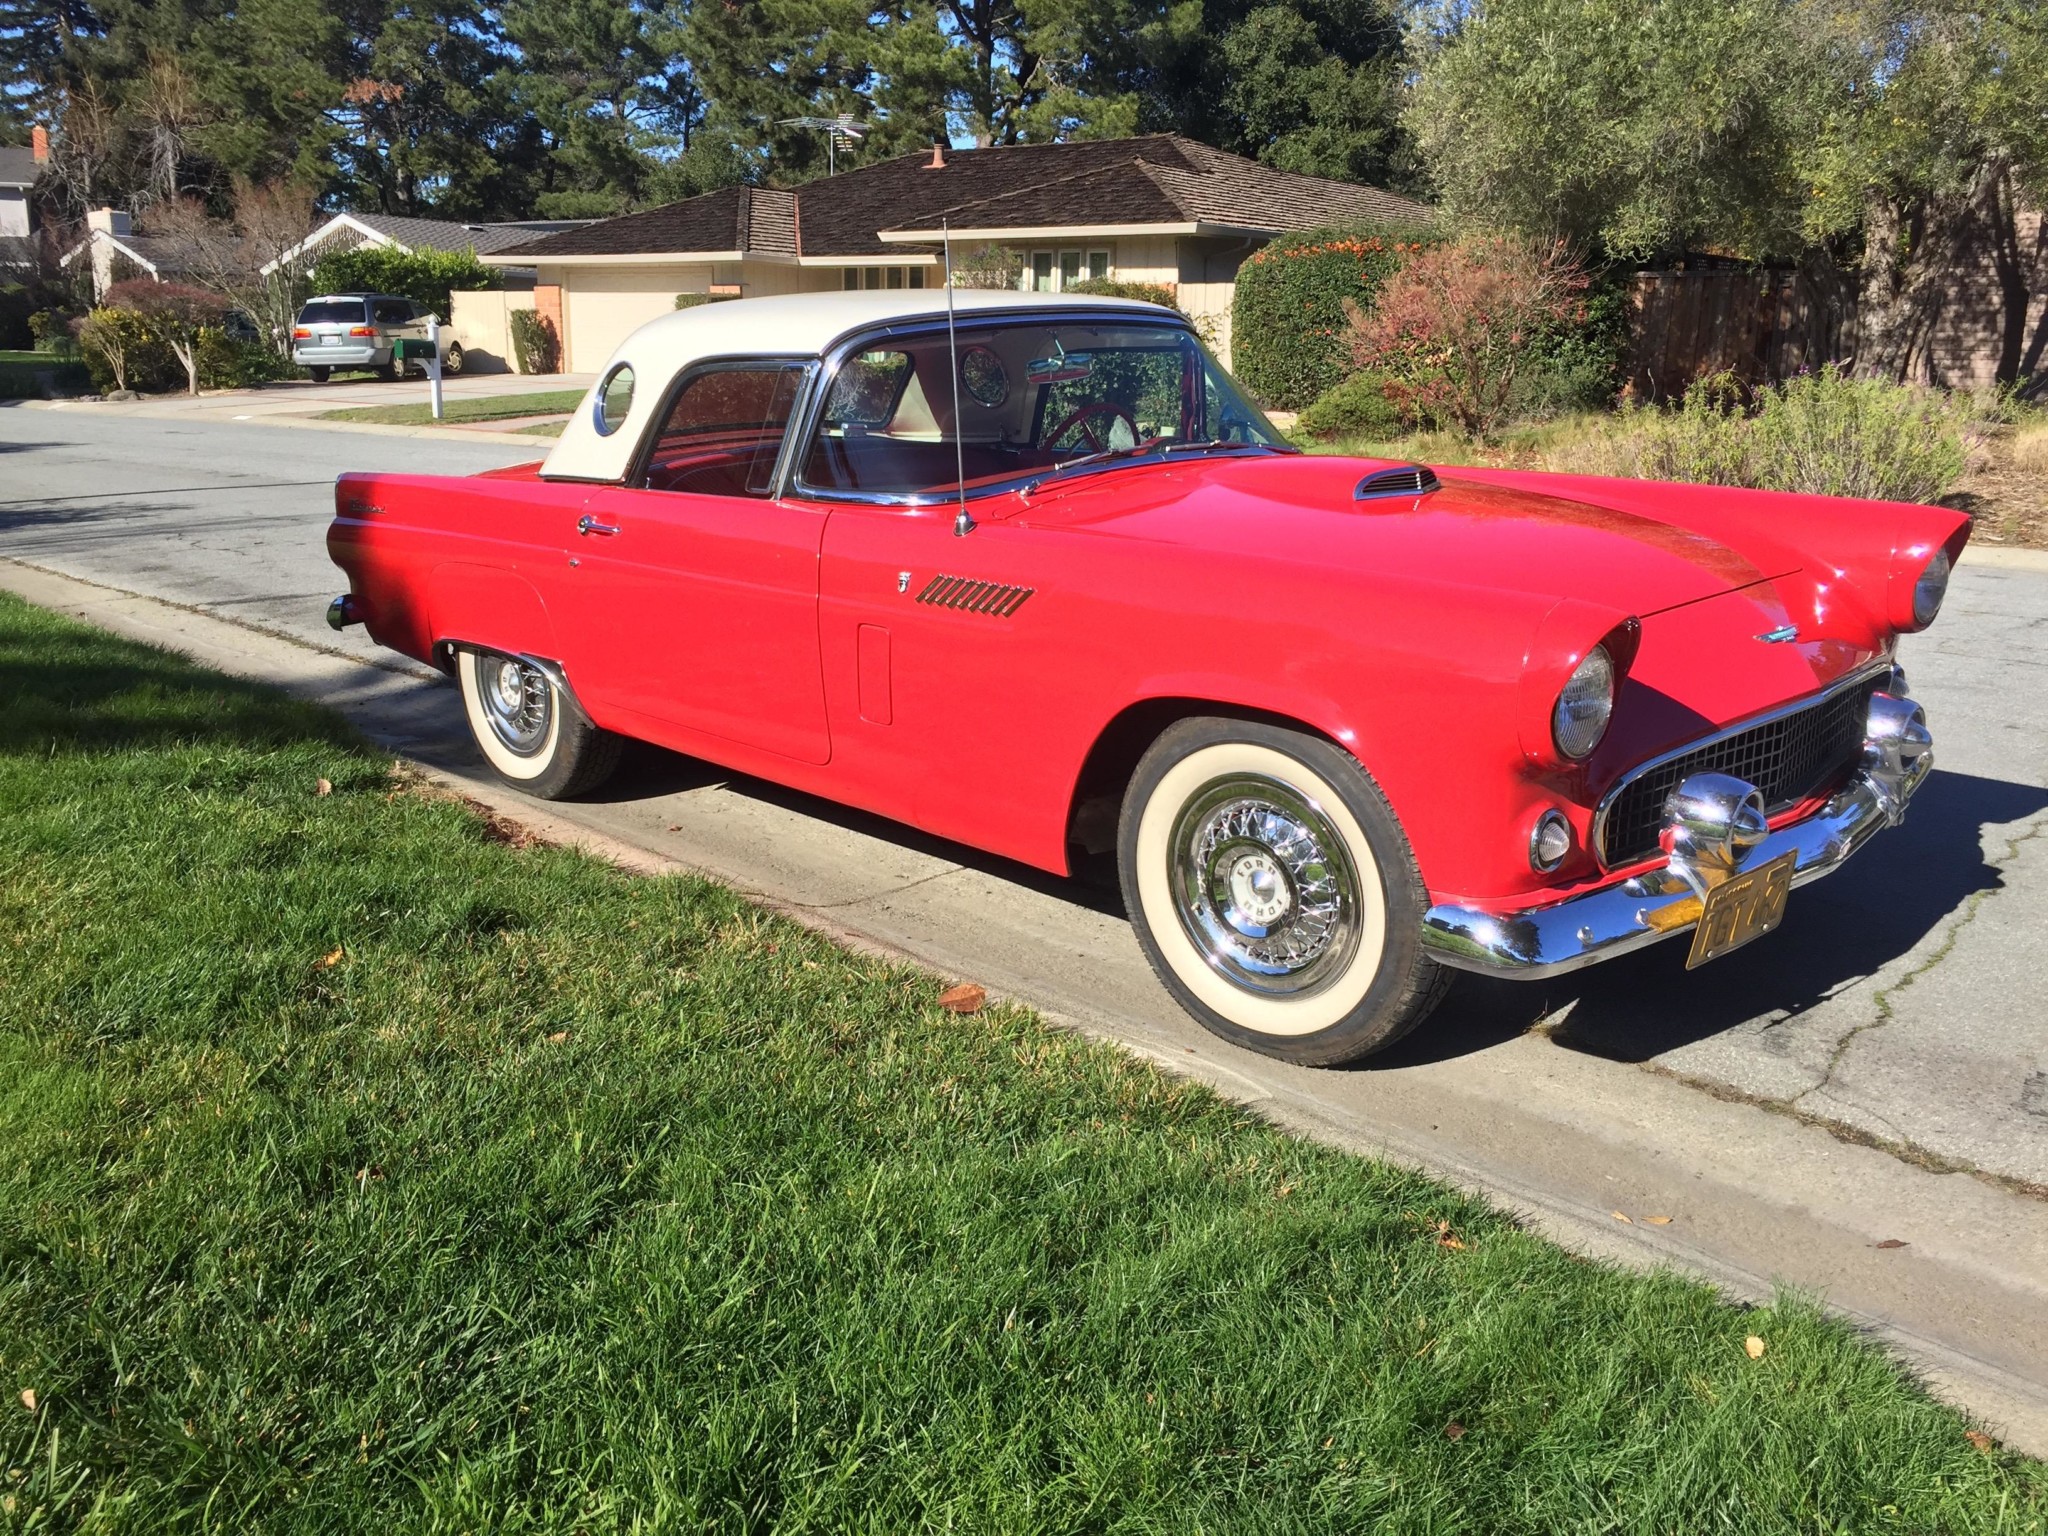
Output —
<point x="587" y="524"/>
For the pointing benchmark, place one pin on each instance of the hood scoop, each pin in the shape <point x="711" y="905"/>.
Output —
<point x="1404" y="480"/>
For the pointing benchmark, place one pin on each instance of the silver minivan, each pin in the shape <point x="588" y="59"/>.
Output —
<point x="363" y="330"/>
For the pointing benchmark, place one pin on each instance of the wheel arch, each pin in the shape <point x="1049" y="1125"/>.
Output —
<point x="1112" y="759"/>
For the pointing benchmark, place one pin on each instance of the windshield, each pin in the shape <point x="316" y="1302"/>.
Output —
<point x="332" y="312"/>
<point x="1034" y="399"/>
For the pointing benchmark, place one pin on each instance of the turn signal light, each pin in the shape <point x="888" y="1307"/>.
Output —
<point x="301" y="334"/>
<point x="361" y="330"/>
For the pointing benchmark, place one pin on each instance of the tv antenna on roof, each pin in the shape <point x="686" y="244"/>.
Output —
<point x="835" y="128"/>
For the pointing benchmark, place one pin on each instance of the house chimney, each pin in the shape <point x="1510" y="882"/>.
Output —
<point x="115" y="221"/>
<point x="39" y="142"/>
<point x="938" y="160"/>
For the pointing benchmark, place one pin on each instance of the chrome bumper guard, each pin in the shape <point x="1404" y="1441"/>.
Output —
<point x="1712" y="829"/>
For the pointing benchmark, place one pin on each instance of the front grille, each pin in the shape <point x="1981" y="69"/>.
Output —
<point x="1807" y="752"/>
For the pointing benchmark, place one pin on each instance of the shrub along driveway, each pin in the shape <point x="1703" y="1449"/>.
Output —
<point x="1895" y="1004"/>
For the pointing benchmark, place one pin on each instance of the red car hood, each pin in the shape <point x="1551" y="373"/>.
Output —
<point x="1468" y="533"/>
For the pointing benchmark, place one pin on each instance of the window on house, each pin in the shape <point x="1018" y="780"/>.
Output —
<point x="1042" y="272"/>
<point x="1059" y="271"/>
<point x="854" y="278"/>
<point x="724" y="430"/>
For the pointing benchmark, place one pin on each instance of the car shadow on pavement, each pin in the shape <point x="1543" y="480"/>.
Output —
<point x="1836" y="931"/>
<point x="648" y="772"/>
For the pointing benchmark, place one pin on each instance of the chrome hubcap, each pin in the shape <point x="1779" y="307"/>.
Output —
<point x="1263" y="886"/>
<point x="517" y="701"/>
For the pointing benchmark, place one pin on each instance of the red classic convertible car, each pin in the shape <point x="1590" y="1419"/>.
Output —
<point x="1034" y="575"/>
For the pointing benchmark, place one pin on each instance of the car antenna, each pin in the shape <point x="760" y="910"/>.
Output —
<point x="964" y="523"/>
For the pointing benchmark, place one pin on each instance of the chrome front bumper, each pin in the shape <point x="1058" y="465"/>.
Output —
<point x="1533" y="943"/>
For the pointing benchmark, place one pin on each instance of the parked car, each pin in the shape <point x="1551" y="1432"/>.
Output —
<point x="1039" y="578"/>
<point x="366" y="330"/>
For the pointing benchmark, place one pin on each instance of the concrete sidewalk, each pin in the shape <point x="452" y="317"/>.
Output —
<point x="1948" y="1268"/>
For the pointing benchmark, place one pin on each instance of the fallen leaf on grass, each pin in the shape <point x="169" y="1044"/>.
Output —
<point x="1753" y="1347"/>
<point x="1890" y="1242"/>
<point x="558" y="1037"/>
<point x="1658" y="1221"/>
<point x="28" y="1398"/>
<point x="1617" y="1215"/>
<point x="1446" y="1238"/>
<point x="322" y="787"/>
<point x="328" y="961"/>
<point x="1979" y="1439"/>
<point x="965" y="998"/>
<point x="1454" y="1430"/>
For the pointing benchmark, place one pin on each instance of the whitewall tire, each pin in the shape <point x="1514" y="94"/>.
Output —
<point x="1274" y="892"/>
<point x="533" y="738"/>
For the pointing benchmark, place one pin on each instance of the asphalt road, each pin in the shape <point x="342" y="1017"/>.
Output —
<point x="1875" y="1072"/>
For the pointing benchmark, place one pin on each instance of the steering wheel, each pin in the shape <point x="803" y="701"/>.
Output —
<point x="1086" y="417"/>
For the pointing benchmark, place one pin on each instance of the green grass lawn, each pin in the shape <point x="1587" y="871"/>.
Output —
<point x="488" y="408"/>
<point x="368" y="1171"/>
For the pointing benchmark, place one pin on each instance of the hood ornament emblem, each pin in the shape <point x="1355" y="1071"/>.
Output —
<point x="1780" y="635"/>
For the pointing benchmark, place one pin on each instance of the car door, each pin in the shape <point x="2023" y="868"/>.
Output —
<point x="696" y="589"/>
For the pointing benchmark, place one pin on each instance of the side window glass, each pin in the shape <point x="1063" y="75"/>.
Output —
<point x="724" y="432"/>
<point x="866" y="389"/>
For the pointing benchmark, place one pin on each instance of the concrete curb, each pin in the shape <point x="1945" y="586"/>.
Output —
<point x="1973" y="1250"/>
<point x="302" y="423"/>
<point x="2005" y="557"/>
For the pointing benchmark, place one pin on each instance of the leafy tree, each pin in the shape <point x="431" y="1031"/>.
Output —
<point x="1633" y="128"/>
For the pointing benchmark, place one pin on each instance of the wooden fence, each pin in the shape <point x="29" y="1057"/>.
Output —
<point x="1761" y="326"/>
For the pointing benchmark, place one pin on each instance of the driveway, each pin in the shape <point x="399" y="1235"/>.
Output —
<point x="1857" y="1104"/>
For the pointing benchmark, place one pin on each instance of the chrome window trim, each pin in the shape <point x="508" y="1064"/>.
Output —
<point x="1598" y="836"/>
<point x="835" y="356"/>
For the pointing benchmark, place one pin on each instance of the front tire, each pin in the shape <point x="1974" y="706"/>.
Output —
<point x="533" y="738"/>
<point x="451" y="364"/>
<point x="1274" y="892"/>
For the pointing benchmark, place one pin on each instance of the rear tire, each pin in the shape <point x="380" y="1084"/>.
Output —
<point x="391" y="372"/>
<point x="1274" y="892"/>
<point x="320" y="375"/>
<point x="533" y="738"/>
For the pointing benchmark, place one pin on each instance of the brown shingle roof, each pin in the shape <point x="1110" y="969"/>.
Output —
<point x="1156" y="179"/>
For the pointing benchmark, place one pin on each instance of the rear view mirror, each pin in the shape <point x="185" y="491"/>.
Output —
<point x="1060" y="369"/>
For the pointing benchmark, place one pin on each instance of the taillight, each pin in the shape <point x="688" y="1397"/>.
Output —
<point x="300" y="333"/>
<point x="361" y="330"/>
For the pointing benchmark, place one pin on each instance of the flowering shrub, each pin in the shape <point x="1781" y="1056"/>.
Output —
<point x="1289" y="339"/>
<point x="1457" y="327"/>
<point x="153" y="337"/>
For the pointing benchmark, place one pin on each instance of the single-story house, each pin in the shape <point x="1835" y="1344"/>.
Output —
<point x="346" y="231"/>
<point x="1159" y="209"/>
<point x="119" y="251"/>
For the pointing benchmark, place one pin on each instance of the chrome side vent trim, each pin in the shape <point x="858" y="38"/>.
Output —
<point x="970" y="596"/>
<point x="1408" y="480"/>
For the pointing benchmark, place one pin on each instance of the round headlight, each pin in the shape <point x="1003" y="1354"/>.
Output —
<point x="1583" y="708"/>
<point x="1930" y="589"/>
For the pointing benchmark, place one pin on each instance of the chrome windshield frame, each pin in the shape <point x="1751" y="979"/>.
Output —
<point x="806" y="420"/>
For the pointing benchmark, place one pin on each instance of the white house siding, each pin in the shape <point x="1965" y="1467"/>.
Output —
<point x="13" y="211"/>
<point x="1207" y="284"/>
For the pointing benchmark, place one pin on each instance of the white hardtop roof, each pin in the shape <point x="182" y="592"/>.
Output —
<point x="789" y="325"/>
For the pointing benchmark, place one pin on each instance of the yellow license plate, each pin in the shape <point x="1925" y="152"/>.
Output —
<point x="1742" y="907"/>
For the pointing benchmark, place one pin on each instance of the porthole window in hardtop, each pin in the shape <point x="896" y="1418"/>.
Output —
<point x="724" y="431"/>
<point x="614" y="399"/>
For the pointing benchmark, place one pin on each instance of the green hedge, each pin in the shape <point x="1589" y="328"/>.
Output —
<point x="18" y="380"/>
<point x="426" y="277"/>
<point x="1288" y="336"/>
